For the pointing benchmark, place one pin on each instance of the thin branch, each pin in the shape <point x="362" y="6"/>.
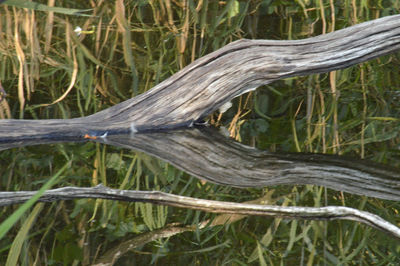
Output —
<point x="111" y="256"/>
<point x="157" y="197"/>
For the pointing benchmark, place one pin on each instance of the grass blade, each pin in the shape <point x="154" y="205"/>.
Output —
<point x="41" y="7"/>
<point x="16" y="246"/>
<point x="10" y="221"/>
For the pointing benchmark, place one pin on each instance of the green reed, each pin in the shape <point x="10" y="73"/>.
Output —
<point x="124" y="48"/>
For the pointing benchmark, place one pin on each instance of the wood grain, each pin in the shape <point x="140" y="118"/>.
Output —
<point x="209" y="82"/>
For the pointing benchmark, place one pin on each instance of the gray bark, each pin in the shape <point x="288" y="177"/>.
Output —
<point x="201" y="88"/>
<point x="157" y="197"/>
<point x="209" y="82"/>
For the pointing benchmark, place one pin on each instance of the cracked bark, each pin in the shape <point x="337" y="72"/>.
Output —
<point x="210" y="81"/>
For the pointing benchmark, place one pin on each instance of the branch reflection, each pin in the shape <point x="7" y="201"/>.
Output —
<point x="206" y="154"/>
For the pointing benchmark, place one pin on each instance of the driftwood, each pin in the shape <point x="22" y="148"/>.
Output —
<point x="157" y="197"/>
<point x="209" y="82"/>
<point x="201" y="88"/>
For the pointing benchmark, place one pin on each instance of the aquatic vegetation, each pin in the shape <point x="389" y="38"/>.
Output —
<point x="127" y="47"/>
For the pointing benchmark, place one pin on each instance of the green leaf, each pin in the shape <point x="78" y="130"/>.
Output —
<point x="16" y="246"/>
<point x="46" y="8"/>
<point x="114" y="161"/>
<point x="10" y="221"/>
<point x="260" y="255"/>
<point x="234" y="9"/>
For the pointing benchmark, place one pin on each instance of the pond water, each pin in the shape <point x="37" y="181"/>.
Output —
<point x="48" y="71"/>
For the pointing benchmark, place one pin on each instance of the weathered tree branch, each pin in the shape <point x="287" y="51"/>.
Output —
<point x="209" y="82"/>
<point x="203" y="87"/>
<point x="157" y="197"/>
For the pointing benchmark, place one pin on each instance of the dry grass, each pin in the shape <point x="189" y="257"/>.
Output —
<point x="125" y="48"/>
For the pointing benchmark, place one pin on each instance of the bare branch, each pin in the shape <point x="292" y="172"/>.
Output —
<point x="157" y="197"/>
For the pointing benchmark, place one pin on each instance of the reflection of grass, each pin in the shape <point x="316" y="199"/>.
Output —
<point x="15" y="248"/>
<point x="50" y="72"/>
<point x="10" y="221"/>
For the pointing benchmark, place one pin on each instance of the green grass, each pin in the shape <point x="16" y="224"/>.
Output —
<point x="126" y="48"/>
